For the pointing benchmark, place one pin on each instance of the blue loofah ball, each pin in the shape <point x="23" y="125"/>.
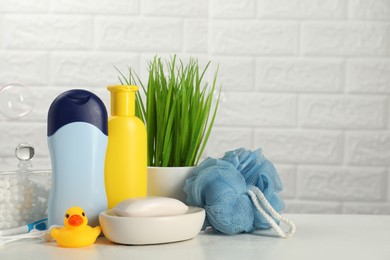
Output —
<point x="220" y="187"/>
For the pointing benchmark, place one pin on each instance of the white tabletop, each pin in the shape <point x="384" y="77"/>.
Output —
<point x="317" y="237"/>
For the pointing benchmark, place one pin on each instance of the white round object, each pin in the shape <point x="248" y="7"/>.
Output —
<point x="151" y="230"/>
<point x="150" y="207"/>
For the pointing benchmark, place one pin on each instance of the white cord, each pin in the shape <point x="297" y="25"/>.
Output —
<point x="43" y="234"/>
<point x="9" y="239"/>
<point x="256" y="195"/>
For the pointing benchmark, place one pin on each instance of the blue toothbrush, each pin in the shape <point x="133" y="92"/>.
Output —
<point x="37" y="225"/>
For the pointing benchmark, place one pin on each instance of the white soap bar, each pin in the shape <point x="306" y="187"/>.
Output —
<point x="150" y="207"/>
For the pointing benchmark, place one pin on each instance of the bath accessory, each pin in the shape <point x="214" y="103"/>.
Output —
<point x="150" y="207"/>
<point x="77" y="139"/>
<point x="24" y="191"/>
<point x="151" y="230"/>
<point x="239" y="193"/>
<point x="36" y="225"/>
<point x="75" y="232"/>
<point x="125" y="164"/>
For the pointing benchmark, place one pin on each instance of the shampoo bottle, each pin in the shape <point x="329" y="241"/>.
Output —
<point x="77" y="139"/>
<point x="125" y="166"/>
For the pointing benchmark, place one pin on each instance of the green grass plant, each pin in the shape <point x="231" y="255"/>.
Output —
<point x="177" y="108"/>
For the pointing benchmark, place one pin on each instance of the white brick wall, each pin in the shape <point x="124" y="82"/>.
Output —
<point x="346" y="112"/>
<point x="253" y="37"/>
<point x="368" y="148"/>
<point x="47" y="32"/>
<point x="256" y="109"/>
<point x="195" y="35"/>
<point x="299" y="75"/>
<point x="306" y="80"/>
<point x="369" y="9"/>
<point x="243" y="9"/>
<point x="139" y="34"/>
<point x="302" y="9"/>
<point x="178" y="8"/>
<point x="346" y="39"/>
<point x="368" y="76"/>
<point x="74" y="69"/>
<point x="339" y="183"/>
<point x="104" y="7"/>
<point x="33" y="6"/>
<point x="301" y="146"/>
<point x="23" y="66"/>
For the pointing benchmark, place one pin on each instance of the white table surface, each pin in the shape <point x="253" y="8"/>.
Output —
<point x="317" y="237"/>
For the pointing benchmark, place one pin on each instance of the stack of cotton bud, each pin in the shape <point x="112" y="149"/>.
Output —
<point x="23" y="198"/>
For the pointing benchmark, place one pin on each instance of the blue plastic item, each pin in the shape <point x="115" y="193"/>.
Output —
<point x="223" y="187"/>
<point x="77" y="139"/>
<point x="77" y="105"/>
<point x="39" y="225"/>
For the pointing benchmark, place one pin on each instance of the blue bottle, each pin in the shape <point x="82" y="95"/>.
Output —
<point x="77" y="138"/>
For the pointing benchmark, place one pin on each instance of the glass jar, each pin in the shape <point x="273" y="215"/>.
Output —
<point x="24" y="192"/>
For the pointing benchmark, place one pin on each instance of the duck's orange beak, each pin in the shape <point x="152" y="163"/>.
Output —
<point x="75" y="220"/>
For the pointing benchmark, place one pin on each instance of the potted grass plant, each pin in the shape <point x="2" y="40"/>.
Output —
<point x="178" y="108"/>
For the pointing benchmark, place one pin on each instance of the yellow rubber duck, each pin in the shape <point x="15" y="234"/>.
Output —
<point x="76" y="232"/>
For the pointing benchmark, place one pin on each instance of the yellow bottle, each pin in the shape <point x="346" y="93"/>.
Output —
<point x="125" y="164"/>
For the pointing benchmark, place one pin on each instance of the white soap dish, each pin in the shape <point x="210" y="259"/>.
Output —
<point x="151" y="230"/>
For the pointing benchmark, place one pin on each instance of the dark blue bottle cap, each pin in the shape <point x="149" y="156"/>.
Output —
<point x="77" y="105"/>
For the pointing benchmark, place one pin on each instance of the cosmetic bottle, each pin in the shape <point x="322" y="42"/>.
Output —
<point x="77" y="139"/>
<point x="125" y="166"/>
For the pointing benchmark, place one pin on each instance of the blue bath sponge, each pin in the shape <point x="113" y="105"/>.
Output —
<point x="220" y="186"/>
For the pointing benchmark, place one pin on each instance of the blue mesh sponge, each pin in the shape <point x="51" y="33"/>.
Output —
<point x="220" y="187"/>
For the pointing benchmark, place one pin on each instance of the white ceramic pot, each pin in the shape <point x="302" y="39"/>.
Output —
<point x="168" y="181"/>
